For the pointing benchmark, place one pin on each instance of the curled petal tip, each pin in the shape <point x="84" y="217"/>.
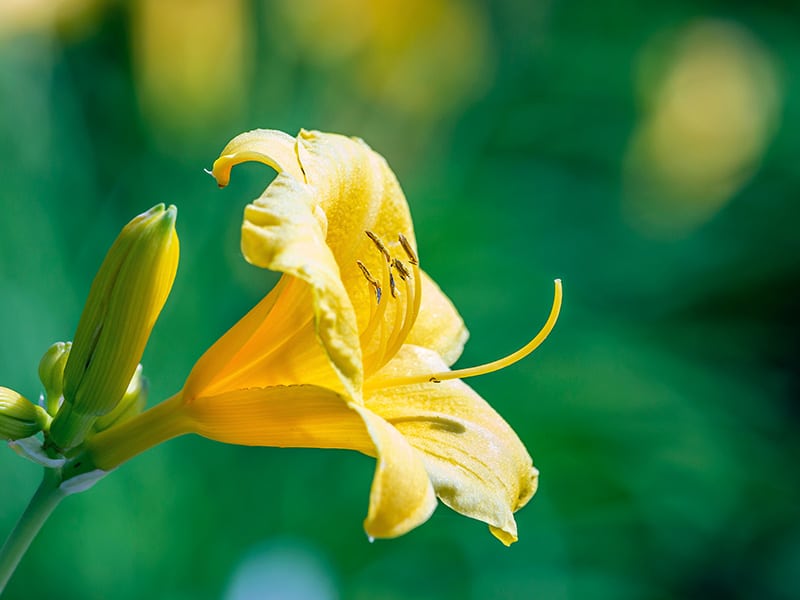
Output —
<point x="221" y="170"/>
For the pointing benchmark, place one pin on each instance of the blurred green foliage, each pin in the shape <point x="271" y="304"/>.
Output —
<point x="663" y="410"/>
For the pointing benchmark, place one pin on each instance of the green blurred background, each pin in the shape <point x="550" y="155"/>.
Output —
<point x="646" y="154"/>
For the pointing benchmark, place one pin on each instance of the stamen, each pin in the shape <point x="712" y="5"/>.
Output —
<point x="377" y="241"/>
<point x="412" y="256"/>
<point x="485" y="368"/>
<point x="389" y="346"/>
<point x="389" y="342"/>
<point x="415" y="299"/>
<point x="401" y="330"/>
<point x="376" y="356"/>
<point x="376" y="318"/>
<point x="401" y="269"/>
<point x="413" y="302"/>
<point x="372" y="281"/>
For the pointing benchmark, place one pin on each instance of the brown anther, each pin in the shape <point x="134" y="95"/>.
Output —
<point x="377" y="241"/>
<point x="434" y="380"/>
<point x="372" y="281"/>
<point x="392" y="285"/>
<point x="401" y="269"/>
<point x="367" y="275"/>
<point x="412" y="256"/>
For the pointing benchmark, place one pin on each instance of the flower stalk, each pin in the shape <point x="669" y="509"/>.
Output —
<point x="42" y="504"/>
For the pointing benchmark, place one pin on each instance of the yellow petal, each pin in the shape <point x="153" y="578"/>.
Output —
<point x="311" y="222"/>
<point x="402" y="496"/>
<point x="305" y="416"/>
<point x="438" y="327"/>
<point x="269" y="146"/>
<point x="357" y="192"/>
<point x="297" y="416"/>
<point x="274" y="344"/>
<point x="284" y="230"/>
<point x="216" y="359"/>
<point x="476" y="462"/>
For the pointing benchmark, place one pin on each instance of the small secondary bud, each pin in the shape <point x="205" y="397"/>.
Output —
<point x="51" y="374"/>
<point x="19" y="417"/>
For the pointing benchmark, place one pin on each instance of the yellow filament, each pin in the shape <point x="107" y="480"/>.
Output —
<point x="417" y="275"/>
<point x="398" y="335"/>
<point x="485" y="368"/>
<point x="375" y="359"/>
<point x="370" y="279"/>
<point x="377" y="317"/>
<point x="413" y="299"/>
<point x="386" y="348"/>
<point x="370" y="323"/>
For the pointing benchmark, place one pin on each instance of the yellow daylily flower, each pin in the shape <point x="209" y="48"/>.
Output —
<point x="351" y="349"/>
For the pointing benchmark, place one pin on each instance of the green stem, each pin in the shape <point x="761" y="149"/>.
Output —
<point x="46" y="498"/>
<point x="105" y="451"/>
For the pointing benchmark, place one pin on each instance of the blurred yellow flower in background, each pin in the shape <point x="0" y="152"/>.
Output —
<point x="190" y="60"/>
<point x="418" y="57"/>
<point x="712" y="98"/>
<point x="24" y="16"/>
<point x="350" y="350"/>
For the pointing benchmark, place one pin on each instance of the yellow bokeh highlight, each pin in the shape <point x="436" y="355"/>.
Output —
<point x="416" y="57"/>
<point x="712" y="97"/>
<point x="28" y="16"/>
<point x="190" y="61"/>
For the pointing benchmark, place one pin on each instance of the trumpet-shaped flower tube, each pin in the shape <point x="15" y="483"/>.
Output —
<point x="352" y="348"/>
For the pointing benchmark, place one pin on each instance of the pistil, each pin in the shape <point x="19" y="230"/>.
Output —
<point x="490" y="367"/>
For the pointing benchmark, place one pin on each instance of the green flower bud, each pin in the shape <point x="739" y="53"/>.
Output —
<point x="19" y="417"/>
<point x="124" y="302"/>
<point x="132" y="403"/>
<point x="51" y="374"/>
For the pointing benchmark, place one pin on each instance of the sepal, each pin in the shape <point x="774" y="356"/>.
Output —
<point x="31" y="448"/>
<point x="81" y="482"/>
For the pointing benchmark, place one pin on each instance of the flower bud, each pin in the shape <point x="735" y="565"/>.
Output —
<point x="19" y="417"/>
<point x="132" y="403"/>
<point x="51" y="374"/>
<point x="124" y="302"/>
